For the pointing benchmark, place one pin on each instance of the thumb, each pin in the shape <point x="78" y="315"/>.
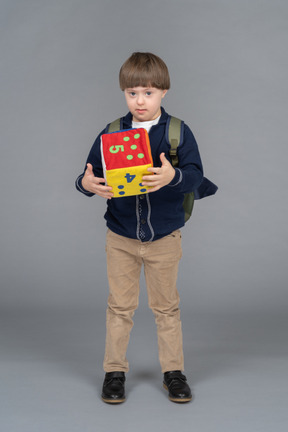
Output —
<point x="89" y="169"/>
<point x="163" y="159"/>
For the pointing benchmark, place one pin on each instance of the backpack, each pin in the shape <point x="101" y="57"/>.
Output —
<point x="174" y="136"/>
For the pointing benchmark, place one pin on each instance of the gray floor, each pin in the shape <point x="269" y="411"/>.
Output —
<point x="51" y="374"/>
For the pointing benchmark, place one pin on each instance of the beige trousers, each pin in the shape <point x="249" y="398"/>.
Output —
<point x="124" y="261"/>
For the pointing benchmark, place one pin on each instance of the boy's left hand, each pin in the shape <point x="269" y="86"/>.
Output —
<point x="162" y="177"/>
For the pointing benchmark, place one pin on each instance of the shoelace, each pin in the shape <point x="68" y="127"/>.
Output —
<point x="121" y="380"/>
<point x="175" y="378"/>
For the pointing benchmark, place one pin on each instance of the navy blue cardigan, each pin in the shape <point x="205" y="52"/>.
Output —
<point x="154" y="215"/>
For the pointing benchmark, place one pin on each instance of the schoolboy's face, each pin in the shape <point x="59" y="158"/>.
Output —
<point x="144" y="103"/>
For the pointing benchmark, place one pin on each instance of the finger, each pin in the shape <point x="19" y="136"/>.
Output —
<point x="154" y="170"/>
<point x="154" y="189"/>
<point x="105" y="194"/>
<point x="89" y="169"/>
<point x="99" y="180"/>
<point x="151" y="179"/>
<point x="163" y="158"/>
<point x="103" y="188"/>
<point x="152" y="184"/>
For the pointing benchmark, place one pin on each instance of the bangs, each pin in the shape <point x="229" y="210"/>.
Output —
<point x="139" y="78"/>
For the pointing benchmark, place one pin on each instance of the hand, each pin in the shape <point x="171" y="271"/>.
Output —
<point x="94" y="184"/>
<point x="162" y="177"/>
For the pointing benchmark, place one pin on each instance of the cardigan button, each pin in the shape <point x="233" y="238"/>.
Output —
<point x="143" y="221"/>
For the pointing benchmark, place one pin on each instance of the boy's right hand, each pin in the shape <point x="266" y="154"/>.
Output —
<point x="95" y="184"/>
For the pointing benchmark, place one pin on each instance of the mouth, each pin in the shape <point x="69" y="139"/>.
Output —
<point x="141" y="110"/>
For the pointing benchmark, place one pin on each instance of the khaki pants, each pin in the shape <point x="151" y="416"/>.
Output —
<point x="124" y="261"/>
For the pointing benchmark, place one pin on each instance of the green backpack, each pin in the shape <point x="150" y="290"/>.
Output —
<point x="174" y="134"/>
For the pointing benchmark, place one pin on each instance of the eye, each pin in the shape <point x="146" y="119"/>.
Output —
<point x="132" y="94"/>
<point x="148" y="93"/>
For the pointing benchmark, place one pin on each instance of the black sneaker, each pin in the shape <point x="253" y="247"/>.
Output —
<point x="176" y="384"/>
<point x="113" y="390"/>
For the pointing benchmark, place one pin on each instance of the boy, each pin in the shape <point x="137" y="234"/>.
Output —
<point x="144" y="229"/>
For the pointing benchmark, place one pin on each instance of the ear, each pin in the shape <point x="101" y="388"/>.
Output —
<point x="164" y="93"/>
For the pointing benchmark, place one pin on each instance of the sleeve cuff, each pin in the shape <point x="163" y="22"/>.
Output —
<point x="177" y="178"/>
<point x="80" y="188"/>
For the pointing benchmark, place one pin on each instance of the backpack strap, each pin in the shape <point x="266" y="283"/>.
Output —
<point x="174" y="136"/>
<point x="114" y="126"/>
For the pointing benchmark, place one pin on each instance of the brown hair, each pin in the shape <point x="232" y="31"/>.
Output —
<point x="144" y="70"/>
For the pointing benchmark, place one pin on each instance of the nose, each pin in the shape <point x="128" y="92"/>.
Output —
<point x="140" y="99"/>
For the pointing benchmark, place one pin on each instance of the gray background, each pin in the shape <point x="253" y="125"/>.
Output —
<point x="59" y="87"/>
